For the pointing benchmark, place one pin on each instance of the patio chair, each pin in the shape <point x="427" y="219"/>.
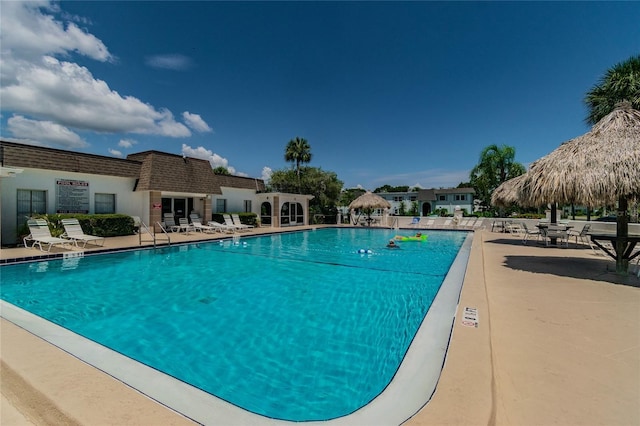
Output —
<point x="236" y="221"/>
<point x="229" y="222"/>
<point x="529" y="232"/>
<point x="40" y="234"/>
<point x="198" y="226"/>
<point x="222" y="227"/>
<point x="581" y="235"/>
<point x="73" y="231"/>
<point x="184" y="225"/>
<point x="415" y="222"/>
<point x="170" y="223"/>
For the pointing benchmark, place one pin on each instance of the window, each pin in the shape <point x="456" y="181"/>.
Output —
<point x="247" y="206"/>
<point x="413" y="198"/>
<point x="105" y="203"/>
<point x="30" y="203"/>
<point x="221" y="205"/>
<point x="442" y="197"/>
<point x="397" y="198"/>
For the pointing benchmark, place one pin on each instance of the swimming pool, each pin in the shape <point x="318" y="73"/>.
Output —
<point x="300" y="316"/>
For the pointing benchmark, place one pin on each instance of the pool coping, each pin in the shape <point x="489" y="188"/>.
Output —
<point x="410" y="389"/>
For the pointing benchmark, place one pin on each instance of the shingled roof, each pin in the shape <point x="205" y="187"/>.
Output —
<point x="161" y="171"/>
<point x="155" y="170"/>
<point x="230" y="181"/>
<point x="36" y="157"/>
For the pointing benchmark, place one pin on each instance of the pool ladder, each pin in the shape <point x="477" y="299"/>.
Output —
<point x="144" y="229"/>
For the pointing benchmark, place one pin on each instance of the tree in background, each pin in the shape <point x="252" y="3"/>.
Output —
<point x="348" y="195"/>
<point x="221" y="170"/>
<point x="497" y="164"/>
<point x="620" y="83"/>
<point x="324" y="186"/>
<point x="389" y="188"/>
<point x="298" y="151"/>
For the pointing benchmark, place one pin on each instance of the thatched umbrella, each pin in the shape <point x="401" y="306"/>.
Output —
<point x="600" y="167"/>
<point x="368" y="202"/>
<point x="507" y="193"/>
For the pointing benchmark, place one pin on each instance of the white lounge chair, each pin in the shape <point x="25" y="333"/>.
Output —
<point x="40" y="234"/>
<point x="237" y="221"/>
<point x="198" y="226"/>
<point x="229" y="222"/>
<point x="222" y="227"/>
<point x="170" y="223"/>
<point x="184" y="226"/>
<point x="73" y="231"/>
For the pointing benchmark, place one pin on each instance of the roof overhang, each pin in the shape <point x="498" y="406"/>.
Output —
<point x="9" y="171"/>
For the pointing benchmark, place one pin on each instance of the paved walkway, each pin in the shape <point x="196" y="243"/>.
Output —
<point x="557" y="342"/>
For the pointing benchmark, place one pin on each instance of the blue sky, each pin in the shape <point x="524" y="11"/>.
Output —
<point x="398" y="93"/>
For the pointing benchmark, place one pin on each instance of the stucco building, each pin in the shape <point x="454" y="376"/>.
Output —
<point x="38" y="180"/>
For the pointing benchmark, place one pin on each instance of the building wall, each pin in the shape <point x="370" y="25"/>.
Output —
<point x="235" y="198"/>
<point x="450" y="202"/>
<point x="127" y="201"/>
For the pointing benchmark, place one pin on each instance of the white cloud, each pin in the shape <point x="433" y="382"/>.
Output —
<point x="175" y="62"/>
<point x="266" y="173"/>
<point x="115" y="153"/>
<point x="28" y="33"/>
<point x="36" y="84"/>
<point x="44" y="132"/>
<point x="68" y="94"/>
<point x="214" y="159"/>
<point x="126" y="143"/>
<point x="195" y="122"/>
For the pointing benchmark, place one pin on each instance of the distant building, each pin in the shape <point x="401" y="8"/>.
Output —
<point x="430" y="200"/>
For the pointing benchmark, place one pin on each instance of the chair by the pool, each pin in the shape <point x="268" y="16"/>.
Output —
<point x="198" y="226"/>
<point x="73" y="231"/>
<point x="236" y="221"/>
<point x="229" y="222"/>
<point x="527" y="232"/>
<point x="40" y="234"/>
<point x="184" y="225"/>
<point x="581" y="235"/>
<point x="170" y="223"/>
<point x="222" y="227"/>
<point x="415" y="222"/>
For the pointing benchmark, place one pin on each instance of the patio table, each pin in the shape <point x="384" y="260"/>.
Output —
<point x="622" y="245"/>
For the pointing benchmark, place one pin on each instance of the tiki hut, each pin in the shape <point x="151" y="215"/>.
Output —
<point x="368" y="202"/>
<point x="599" y="167"/>
<point x="507" y="193"/>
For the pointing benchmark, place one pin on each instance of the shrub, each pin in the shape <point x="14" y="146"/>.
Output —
<point x="101" y="225"/>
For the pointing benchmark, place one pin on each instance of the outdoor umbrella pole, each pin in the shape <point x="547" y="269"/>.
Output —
<point x="622" y="231"/>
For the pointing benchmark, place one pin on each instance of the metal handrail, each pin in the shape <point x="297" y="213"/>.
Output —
<point x="145" y="229"/>
<point x="164" y="231"/>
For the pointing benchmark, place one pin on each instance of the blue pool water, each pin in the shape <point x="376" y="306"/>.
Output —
<point x="295" y="326"/>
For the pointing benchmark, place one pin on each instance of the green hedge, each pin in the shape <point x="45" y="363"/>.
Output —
<point x="101" y="225"/>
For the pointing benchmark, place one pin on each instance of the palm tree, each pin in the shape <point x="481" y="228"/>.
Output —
<point x="620" y="83"/>
<point x="299" y="151"/>
<point x="497" y="165"/>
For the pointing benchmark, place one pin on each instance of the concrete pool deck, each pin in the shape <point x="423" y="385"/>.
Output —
<point x="557" y="342"/>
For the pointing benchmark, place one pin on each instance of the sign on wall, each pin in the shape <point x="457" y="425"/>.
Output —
<point x="72" y="196"/>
